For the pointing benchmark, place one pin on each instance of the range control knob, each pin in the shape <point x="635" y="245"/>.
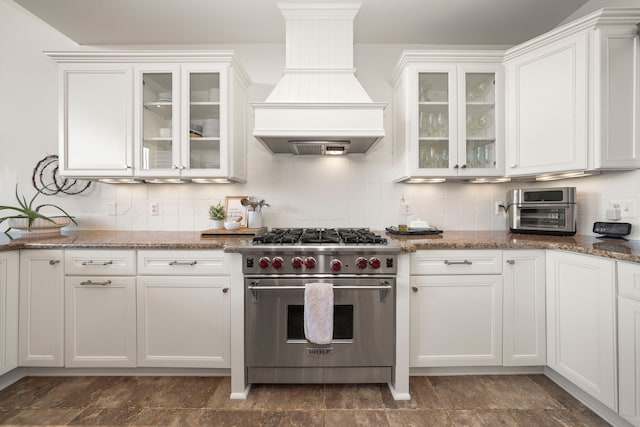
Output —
<point x="277" y="263"/>
<point x="296" y="262"/>
<point x="264" y="262"/>
<point x="336" y="265"/>
<point x="310" y="262"/>
<point x="361" y="262"/>
<point x="375" y="262"/>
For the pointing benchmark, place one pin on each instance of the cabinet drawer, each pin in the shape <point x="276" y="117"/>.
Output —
<point x="442" y="262"/>
<point x="629" y="280"/>
<point x="100" y="262"/>
<point x="183" y="262"/>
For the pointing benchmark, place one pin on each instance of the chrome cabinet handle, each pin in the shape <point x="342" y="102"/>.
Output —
<point x="194" y="262"/>
<point x="182" y="167"/>
<point x="89" y="283"/>
<point x="54" y="261"/>
<point x="513" y="165"/>
<point x="225" y="290"/>
<point x="174" y="166"/>
<point x="414" y="288"/>
<point x="463" y="167"/>
<point x="511" y="261"/>
<point x="127" y="166"/>
<point x="96" y="263"/>
<point x="455" y="166"/>
<point x="465" y="262"/>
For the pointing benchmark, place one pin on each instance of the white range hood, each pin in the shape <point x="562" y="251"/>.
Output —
<point x="319" y="106"/>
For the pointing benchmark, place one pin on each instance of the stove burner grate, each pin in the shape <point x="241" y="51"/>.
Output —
<point x="319" y="236"/>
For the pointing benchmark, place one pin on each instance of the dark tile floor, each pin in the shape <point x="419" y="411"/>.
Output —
<point x="523" y="400"/>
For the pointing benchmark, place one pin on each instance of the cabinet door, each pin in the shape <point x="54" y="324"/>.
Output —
<point x="581" y="322"/>
<point x="480" y="126"/>
<point x="96" y="132"/>
<point x="8" y="311"/>
<point x="41" y="323"/>
<point x="524" y="308"/>
<point x="157" y="121"/>
<point x="547" y="108"/>
<point x="100" y="321"/>
<point x="629" y="345"/>
<point x="183" y="322"/>
<point x="456" y="320"/>
<point x="436" y="150"/>
<point x="204" y="152"/>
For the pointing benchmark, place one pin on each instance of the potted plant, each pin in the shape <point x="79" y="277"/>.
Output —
<point x="28" y="218"/>
<point x="217" y="215"/>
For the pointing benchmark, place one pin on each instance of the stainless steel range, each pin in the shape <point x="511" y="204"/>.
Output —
<point x="362" y="268"/>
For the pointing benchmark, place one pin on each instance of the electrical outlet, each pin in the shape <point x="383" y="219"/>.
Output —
<point x="112" y="208"/>
<point x="154" y="208"/>
<point x="498" y="208"/>
<point x="627" y="207"/>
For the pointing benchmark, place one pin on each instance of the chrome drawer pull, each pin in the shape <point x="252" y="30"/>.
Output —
<point x="183" y="262"/>
<point x="96" y="263"/>
<point x="54" y="261"/>
<point x="90" y="283"/>
<point x="225" y="290"/>
<point x="414" y="288"/>
<point x="465" y="262"/>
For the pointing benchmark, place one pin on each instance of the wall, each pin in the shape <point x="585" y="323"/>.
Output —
<point x="302" y="191"/>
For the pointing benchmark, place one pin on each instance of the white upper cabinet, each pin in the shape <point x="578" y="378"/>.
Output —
<point x="160" y="115"/>
<point x="448" y="115"/>
<point x="95" y="115"/>
<point x="572" y="97"/>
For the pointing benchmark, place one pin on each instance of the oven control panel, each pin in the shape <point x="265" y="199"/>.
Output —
<point x="324" y="263"/>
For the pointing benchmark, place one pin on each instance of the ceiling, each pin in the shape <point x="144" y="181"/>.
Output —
<point x="142" y="22"/>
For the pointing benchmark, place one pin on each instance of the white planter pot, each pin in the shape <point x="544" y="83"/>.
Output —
<point x="217" y="224"/>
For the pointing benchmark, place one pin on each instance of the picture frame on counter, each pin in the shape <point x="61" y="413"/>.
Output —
<point x="233" y="208"/>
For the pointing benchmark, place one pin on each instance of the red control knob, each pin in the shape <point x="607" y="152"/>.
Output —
<point x="264" y="262"/>
<point x="336" y="265"/>
<point x="375" y="262"/>
<point x="310" y="262"/>
<point x="277" y="263"/>
<point x="296" y="262"/>
<point x="361" y="262"/>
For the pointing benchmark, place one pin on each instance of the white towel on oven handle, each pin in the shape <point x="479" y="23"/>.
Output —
<point x="318" y="312"/>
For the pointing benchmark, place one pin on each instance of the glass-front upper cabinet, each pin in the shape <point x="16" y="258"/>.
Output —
<point x="186" y="126"/>
<point x="448" y="117"/>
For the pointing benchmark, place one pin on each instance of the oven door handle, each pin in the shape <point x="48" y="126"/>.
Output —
<point x="289" y="288"/>
<point x="384" y="289"/>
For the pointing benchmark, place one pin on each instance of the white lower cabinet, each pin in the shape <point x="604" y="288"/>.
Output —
<point x="100" y="325"/>
<point x="581" y="322"/>
<point x="100" y="308"/>
<point x="41" y="308"/>
<point x="8" y="311"/>
<point x="629" y="340"/>
<point x="183" y="321"/>
<point x="524" y="308"/>
<point x="456" y="320"/>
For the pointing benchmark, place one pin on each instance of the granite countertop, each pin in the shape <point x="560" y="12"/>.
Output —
<point x="109" y="239"/>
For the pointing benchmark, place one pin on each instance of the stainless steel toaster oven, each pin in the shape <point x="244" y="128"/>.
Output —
<point x="542" y="210"/>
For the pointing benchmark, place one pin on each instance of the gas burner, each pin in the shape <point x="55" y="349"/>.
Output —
<point x="310" y="236"/>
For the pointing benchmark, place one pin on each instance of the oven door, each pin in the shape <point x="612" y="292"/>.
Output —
<point x="363" y="332"/>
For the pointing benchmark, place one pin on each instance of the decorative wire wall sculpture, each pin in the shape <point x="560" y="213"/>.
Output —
<point x="47" y="180"/>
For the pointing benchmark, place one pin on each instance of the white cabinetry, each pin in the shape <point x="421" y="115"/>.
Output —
<point x="8" y="311"/>
<point x="524" y="315"/>
<point x="572" y="97"/>
<point x="456" y="314"/>
<point x="95" y="120"/>
<point x="581" y="324"/>
<point x="448" y="115"/>
<point x="100" y="301"/>
<point x="629" y="340"/>
<point x="153" y="115"/>
<point x="41" y="313"/>
<point x="183" y="309"/>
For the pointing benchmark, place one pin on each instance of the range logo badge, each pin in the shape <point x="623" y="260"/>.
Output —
<point x="319" y="351"/>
